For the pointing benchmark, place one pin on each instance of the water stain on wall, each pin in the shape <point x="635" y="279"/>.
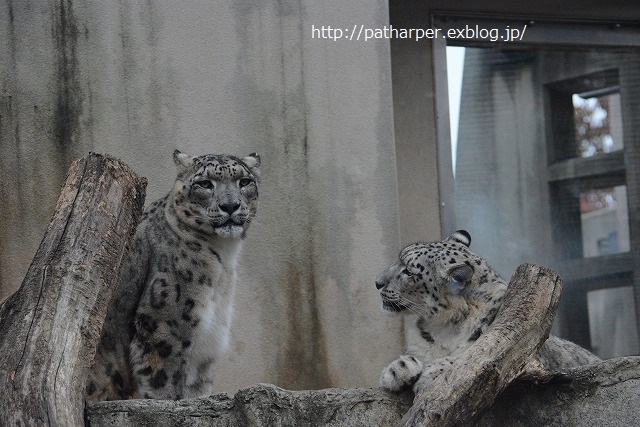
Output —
<point x="304" y="362"/>
<point x="69" y="95"/>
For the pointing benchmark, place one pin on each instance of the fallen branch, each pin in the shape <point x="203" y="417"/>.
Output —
<point x="50" y="327"/>
<point x="460" y="395"/>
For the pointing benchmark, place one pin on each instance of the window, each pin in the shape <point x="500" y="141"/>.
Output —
<point x="547" y="166"/>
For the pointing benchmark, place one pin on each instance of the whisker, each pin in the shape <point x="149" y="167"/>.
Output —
<point x="409" y="305"/>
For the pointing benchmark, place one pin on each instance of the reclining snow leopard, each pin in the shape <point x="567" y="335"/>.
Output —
<point x="449" y="296"/>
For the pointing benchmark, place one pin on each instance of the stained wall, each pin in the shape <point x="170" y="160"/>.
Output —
<point x="139" y="79"/>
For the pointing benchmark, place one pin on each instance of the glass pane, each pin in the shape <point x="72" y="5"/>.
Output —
<point x="519" y="110"/>
<point x="604" y="221"/>
<point x="540" y="171"/>
<point x="612" y="322"/>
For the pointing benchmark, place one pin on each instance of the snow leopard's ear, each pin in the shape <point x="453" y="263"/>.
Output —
<point x="183" y="161"/>
<point x="460" y="236"/>
<point x="253" y="163"/>
<point x="459" y="277"/>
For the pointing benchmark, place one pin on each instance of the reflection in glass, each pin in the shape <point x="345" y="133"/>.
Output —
<point x="604" y="221"/>
<point x="598" y="123"/>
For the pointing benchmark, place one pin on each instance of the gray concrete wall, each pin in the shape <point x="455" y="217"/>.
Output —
<point x="138" y="79"/>
<point x="414" y="110"/>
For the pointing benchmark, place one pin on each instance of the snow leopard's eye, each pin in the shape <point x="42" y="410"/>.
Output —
<point x="244" y="182"/>
<point x="205" y="183"/>
<point x="407" y="272"/>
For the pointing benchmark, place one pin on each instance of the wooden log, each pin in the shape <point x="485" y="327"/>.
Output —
<point x="460" y="395"/>
<point x="49" y="328"/>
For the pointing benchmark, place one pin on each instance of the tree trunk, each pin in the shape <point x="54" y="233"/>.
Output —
<point x="50" y="327"/>
<point x="460" y="395"/>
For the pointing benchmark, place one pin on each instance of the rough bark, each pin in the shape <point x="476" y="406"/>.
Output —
<point x="50" y="327"/>
<point x="603" y="394"/>
<point x="460" y="395"/>
<point x="261" y="405"/>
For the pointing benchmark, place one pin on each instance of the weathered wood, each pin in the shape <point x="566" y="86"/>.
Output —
<point x="260" y="405"/>
<point x="460" y="395"/>
<point x="50" y="327"/>
<point x="603" y="394"/>
<point x="606" y="393"/>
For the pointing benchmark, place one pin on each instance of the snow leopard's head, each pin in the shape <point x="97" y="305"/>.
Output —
<point x="216" y="194"/>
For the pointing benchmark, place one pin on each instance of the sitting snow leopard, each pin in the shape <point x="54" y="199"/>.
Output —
<point x="169" y="319"/>
<point x="449" y="296"/>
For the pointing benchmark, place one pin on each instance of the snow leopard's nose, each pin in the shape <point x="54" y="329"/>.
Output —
<point x="385" y="277"/>
<point x="229" y="207"/>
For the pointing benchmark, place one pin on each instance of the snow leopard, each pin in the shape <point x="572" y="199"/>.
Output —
<point x="449" y="297"/>
<point x="169" y="319"/>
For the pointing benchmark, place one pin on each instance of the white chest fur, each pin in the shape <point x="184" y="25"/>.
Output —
<point x="213" y="309"/>
<point x="213" y="303"/>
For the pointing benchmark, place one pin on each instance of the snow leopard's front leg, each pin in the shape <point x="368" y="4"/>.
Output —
<point x="157" y="374"/>
<point x="401" y="373"/>
<point x="409" y="371"/>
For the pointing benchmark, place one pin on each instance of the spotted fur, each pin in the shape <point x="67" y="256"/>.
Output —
<point x="170" y="317"/>
<point x="449" y="297"/>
